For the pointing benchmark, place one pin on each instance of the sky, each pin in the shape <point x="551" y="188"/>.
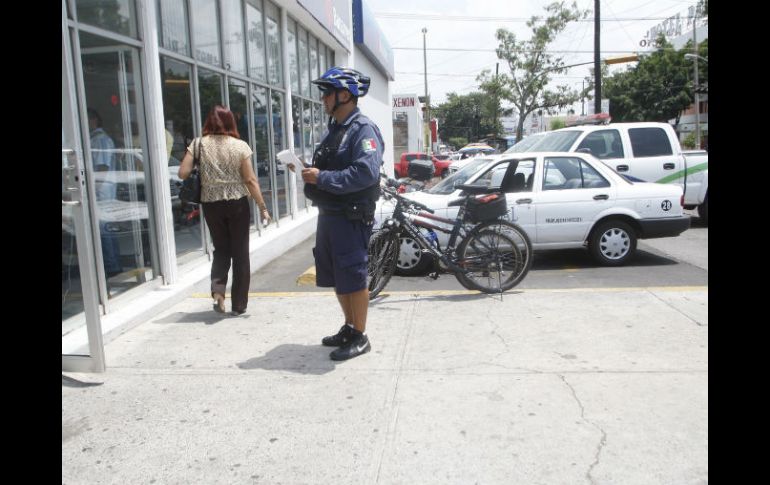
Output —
<point x="625" y="24"/>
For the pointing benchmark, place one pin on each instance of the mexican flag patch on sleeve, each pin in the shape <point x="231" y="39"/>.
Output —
<point x="369" y="145"/>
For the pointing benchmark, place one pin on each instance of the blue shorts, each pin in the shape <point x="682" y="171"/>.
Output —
<point x="341" y="253"/>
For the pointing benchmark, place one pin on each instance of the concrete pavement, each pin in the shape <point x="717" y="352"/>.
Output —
<point x="544" y="387"/>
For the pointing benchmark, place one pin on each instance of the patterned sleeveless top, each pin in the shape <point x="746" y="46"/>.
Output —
<point x="220" y="167"/>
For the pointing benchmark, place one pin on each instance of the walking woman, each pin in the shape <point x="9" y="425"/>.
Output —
<point x="227" y="179"/>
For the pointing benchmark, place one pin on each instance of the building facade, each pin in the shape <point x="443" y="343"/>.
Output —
<point x="138" y="79"/>
<point x="408" y="125"/>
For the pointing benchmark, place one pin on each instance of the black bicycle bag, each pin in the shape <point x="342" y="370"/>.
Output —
<point x="485" y="207"/>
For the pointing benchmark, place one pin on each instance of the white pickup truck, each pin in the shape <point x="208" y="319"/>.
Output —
<point x="646" y="151"/>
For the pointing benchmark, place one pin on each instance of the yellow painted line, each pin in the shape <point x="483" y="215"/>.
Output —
<point x="268" y="294"/>
<point x="307" y="278"/>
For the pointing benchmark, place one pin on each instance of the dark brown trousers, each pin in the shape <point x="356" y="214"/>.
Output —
<point x="228" y="222"/>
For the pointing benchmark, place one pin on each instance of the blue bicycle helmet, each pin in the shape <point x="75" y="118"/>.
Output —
<point x="344" y="78"/>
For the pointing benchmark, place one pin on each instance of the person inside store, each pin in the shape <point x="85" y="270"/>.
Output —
<point x="103" y="158"/>
<point x="344" y="183"/>
<point x="227" y="180"/>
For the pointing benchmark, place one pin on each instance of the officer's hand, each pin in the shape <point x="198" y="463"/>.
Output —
<point x="310" y="175"/>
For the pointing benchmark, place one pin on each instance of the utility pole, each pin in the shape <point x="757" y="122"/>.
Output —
<point x="583" y="99"/>
<point x="497" y="103"/>
<point x="697" y="87"/>
<point x="597" y="62"/>
<point x="427" y="100"/>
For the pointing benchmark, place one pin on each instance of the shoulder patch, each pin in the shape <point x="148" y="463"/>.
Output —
<point x="369" y="144"/>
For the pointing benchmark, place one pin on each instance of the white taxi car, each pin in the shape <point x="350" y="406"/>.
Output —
<point x="562" y="200"/>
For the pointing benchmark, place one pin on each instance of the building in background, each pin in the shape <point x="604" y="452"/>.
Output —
<point x="138" y="79"/>
<point x="408" y="125"/>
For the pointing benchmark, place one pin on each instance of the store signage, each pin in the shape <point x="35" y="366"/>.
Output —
<point x="402" y="102"/>
<point x="333" y="15"/>
<point x="370" y="39"/>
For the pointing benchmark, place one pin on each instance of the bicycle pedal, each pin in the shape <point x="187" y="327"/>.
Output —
<point x="433" y="275"/>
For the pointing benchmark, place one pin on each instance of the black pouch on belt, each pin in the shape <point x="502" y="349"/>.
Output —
<point x="359" y="211"/>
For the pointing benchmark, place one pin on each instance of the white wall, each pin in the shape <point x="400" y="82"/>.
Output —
<point x="377" y="103"/>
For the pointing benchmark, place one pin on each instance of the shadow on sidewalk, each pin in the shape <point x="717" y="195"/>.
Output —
<point x="209" y="317"/>
<point x="303" y="359"/>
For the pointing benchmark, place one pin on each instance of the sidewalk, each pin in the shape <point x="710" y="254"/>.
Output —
<point x="545" y="386"/>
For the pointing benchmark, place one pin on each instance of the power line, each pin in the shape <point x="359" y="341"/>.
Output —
<point x="454" y="49"/>
<point x="467" y="18"/>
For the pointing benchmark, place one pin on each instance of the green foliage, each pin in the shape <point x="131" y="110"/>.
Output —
<point x="531" y="66"/>
<point x="458" y="142"/>
<point x="557" y="123"/>
<point x="659" y="88"/>
<point x="689" y="141"/>
<point x="470" y="116"/>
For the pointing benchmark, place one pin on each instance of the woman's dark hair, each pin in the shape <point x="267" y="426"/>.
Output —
<point x="220" y="121"/>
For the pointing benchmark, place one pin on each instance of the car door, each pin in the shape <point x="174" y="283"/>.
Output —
<point x="518" y="190"/>
<point x="571" y="196"/>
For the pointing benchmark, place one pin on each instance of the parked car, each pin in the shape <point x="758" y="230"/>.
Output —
<point x="562" y="200"/>
<point x="402" y="167"/>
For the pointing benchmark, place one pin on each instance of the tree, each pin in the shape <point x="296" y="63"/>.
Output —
<point x="531" y="66"/>
<point x="468" y="116"/>
<point x="659" y="88"/>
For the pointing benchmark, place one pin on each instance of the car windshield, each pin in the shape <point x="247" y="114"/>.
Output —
<point x="555" y="141"/>
<point x="447" y="186"/>
<point x="524" y="144"/>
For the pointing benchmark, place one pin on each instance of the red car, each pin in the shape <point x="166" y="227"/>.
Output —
<point x="440" y="167"/>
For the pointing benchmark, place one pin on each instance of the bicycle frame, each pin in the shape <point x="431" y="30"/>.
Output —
<point x="411" y="225"/>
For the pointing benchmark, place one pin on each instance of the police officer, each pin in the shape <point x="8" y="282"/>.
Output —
<point x="344" y="183"/>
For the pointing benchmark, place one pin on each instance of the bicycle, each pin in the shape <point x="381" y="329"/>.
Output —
<point x="493" y="255"/>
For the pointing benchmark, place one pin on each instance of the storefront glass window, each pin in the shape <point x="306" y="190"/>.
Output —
<point x="239" y="105"/>
<point x="178" y="119"/>
<point x="232" y="26"/>
<point x="209" y="91"/>
<point x="114" y="15"/>
<point x="274" y="56"/>
<point x="293" y="57"/>
<point x="256" y="37"/>
<point x="279" y="143"/>
<point x="262" y="143"/>
<point x="206" y="31"/>
<point x="321" y="59"/>
<point x="173" y="26"/>
<point x="314" y="92"/>
<point x="304" y="66"/>
<point x="117" y="162"/>
<point x="307" y="129"/>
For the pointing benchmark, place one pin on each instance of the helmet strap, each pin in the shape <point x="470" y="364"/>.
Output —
<point x="337" y="101"/>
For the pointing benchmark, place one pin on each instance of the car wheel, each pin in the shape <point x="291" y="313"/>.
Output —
<point x="411" y="261"/>
<point x="703" y="211"/>
<point x="612" y="243"/>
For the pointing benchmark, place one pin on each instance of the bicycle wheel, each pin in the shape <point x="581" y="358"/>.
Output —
<point x="383" y="256"/>
<point x="519" y="236"/>
<point x="497" y="257"/>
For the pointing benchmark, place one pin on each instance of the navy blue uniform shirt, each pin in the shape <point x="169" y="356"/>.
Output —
<point x="356" y="165"/>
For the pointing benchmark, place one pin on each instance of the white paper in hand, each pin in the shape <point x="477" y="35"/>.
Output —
<point x="288" y="158"/>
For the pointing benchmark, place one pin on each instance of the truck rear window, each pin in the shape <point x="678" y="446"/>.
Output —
<point x="649" y="142"/>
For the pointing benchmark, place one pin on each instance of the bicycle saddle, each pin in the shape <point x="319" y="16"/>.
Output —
<point x="477" y="189"/>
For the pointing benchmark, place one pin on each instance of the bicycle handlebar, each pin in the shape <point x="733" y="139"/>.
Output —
<point x="390" y="188"/>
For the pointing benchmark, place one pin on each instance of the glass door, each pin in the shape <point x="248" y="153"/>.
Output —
<point x="82" y="345"/>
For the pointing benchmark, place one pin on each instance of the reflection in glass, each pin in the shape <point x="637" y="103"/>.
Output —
<point x="210" y="91"/>
<point x="293" y="57"/>
<point x="178" y="116"/>
<point x="273" y="27"/>
<point x="279" y="143"/>
<point x="304" y="65"/>
<point x="307" y="130"/>
<point x="256" y="39"/>
<point x="173" y="26"/>
<point x="110" y="78"/>
<point x="262" y="144"/>
<point x="206" y="31"/>
<point x="113" y="15"/>
<point x="322" y="66"/>
<point x="235" y="57"/>
<point x="240" y="108"/>
<point x="71" y="291"/>
<point x="314" y="91"/>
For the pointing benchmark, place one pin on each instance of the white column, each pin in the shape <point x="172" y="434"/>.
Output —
<point x="156" y="139"/>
